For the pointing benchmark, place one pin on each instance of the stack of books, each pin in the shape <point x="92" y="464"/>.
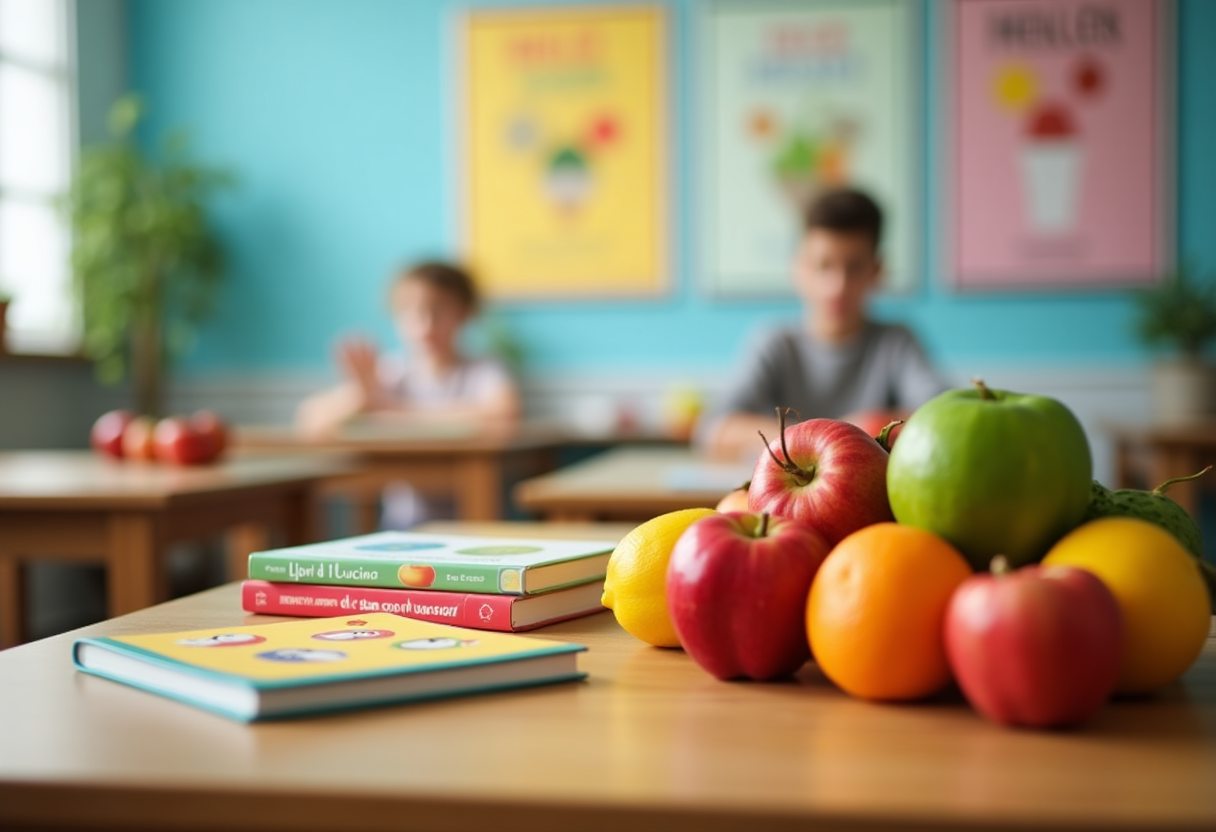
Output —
<point x="504" y="584"/>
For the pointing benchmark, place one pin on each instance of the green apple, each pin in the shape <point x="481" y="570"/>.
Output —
<point x="993" y="472"/>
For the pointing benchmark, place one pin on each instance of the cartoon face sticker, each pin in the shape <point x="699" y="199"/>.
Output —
<point x="442" y="643"/>
<point x="353" y="635"/>
<point x="302" y="654"/>
<point x="222" y="640"/>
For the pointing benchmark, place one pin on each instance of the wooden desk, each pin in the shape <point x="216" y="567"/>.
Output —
<point x="630" y="483"/>
<point x="648" y="742"/>
<point x="77" y="505"/>
<point x="1147" y="455"/>
<point x="471" y="465"/>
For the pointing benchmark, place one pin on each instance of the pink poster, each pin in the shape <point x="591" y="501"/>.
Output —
<point x="1058" y="125"/>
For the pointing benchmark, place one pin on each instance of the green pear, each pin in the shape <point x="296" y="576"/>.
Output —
<point x="1155" y="507"/>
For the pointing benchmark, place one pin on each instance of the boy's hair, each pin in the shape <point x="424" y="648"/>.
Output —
<point x="445" y="277"/>
<point x="845" y="210"/>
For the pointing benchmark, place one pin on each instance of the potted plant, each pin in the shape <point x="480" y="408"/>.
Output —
<point x="145" y="263"/>
<point x="5" y="300"/>
<point x="1179" y="314"/>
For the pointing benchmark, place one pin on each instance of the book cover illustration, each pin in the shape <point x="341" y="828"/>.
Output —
<point x="325" y="649"/>
<point x="506" y="566"/>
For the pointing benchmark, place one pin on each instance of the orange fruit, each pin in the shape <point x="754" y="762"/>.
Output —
<point x="1160" y="590"/>
<point x="876" y="609"/>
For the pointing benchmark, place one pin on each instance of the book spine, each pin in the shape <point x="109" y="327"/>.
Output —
<point x="474" y="611"/>
<point x="391" y="574"/>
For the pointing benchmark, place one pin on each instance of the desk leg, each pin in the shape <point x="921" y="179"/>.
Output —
<point x="240" y="542"/>
<point x="136" y="577"/>
<point x="12" y="601"/>
<point x="479" y="491"/>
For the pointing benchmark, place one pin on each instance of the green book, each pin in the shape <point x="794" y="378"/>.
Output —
<point x="490" y="565"/>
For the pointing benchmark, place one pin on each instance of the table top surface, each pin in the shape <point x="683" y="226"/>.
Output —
<point x="387" y="437"/>
<point x="647" y="741"/>
<point x="84" y="479"/>
<point x="629" y="475"/>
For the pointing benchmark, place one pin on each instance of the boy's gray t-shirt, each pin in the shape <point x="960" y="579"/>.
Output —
<point x="883" y="368"/>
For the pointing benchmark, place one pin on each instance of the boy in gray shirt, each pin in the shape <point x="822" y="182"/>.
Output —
<point x="839" y="363"/>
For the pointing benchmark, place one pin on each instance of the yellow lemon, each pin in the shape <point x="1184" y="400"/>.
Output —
<point x="1165" y="605"/>
<point x="635" y="586"/>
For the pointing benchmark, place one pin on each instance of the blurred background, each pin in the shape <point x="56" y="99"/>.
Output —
<point x="340" y="122"/>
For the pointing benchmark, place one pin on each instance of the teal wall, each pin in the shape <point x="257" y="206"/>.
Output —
<point x="337" y="117"/>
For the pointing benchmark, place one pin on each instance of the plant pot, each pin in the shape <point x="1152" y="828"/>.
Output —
<point x="1184" y="391"/>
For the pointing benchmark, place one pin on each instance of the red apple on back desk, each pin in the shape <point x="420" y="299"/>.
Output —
<point x="736" y="591"/>
<point x="107" y="431"/>
<point x="137" y="439"/>
<point x="209" y="424"/>
<point x="177" y="442"/>
<point x="825" y="472"/>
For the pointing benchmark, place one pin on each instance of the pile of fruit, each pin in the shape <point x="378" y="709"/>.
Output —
<point x="197" y="439"/>
<point x="977" y="549"/>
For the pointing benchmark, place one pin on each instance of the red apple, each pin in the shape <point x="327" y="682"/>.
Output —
<point x="177" y="442"/>
<point x="210" y="425"/>
<point x="106" y="435"/>
<point x="825" y="472"/>
<point x="737" y="585"/>
<point x="873" y="422"/>
<point x="1039" y="646"/>
<point x="137" y="438"/>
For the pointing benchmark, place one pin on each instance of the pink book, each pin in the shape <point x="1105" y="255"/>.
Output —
<point x="505" y="613"/>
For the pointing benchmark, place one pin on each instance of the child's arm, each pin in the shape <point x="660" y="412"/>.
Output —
<point x="323" y="413"/>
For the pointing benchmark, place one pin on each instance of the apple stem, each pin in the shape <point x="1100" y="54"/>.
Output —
<point x="1161" y="489"/>
<point x="985" y="393"/>
<point x="999" y="566"/>
<point x="884" y="435"/>
<point x="763" y="530"/>
<point x="802" y="476"/>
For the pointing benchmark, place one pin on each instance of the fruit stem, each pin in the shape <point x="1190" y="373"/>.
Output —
<point x="999" y="566"/>
<point x="802" y="476"/>
<point x="884" y="435"/>
<point x="763" y="530"/>
<point x="1161" y="489"/>
<point x="985" y="393"/>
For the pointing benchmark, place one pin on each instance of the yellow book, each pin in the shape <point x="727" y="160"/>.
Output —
<point x="266" y="671"/>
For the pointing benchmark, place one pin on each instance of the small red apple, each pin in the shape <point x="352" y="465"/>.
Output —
<point x="137" y="438"/>
<point x="209" y="424"/>
<point x="414" y="574"/>
<point x="1040" y="646"/>
<point x="825" y="472"/>
<point x="737" y="585"/>
<point x="177" y="442"/>
<point x="107" y="431"/>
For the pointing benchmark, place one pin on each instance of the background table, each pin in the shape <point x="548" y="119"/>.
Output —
<point x="1148" y="455"/>
<point x="630" y="483"/>
<point x="648" y="742"/>
<point x="472" y="466"/>
<point x="78" y="505"/>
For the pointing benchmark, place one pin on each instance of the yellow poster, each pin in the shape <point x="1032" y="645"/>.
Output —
<point x="563" y="151"/>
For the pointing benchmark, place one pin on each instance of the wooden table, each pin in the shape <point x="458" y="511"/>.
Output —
<point x="1148" y="455"/>
<point x="630" y="483"/>
<point x="474" y="466"/>
<point x="78" y="505"/>
<point x="648" y="742"/>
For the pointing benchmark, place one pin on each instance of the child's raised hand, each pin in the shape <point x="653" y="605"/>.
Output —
<point x="357" y="357"/>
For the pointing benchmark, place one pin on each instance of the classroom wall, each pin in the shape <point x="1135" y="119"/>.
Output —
<point x="337" y="117"/>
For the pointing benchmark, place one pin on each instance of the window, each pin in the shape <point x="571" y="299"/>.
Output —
<point x="36" y="140"/>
